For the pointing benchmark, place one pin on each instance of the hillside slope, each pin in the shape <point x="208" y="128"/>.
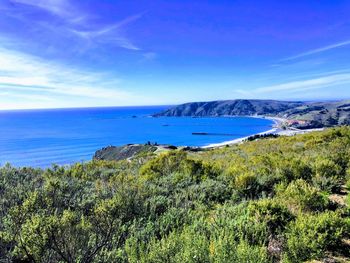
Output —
<point x="312" y="114"/>
<point x="231" y="108"/>
<point x="118" y="153"/>
<point x="282" y="199"/>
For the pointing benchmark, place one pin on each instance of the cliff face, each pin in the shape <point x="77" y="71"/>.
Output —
<point x="315" y="114"/>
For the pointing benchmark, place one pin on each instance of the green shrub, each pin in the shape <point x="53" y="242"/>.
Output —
<point x="183" y="207"/>
<point x="311" y="235"/>
<point x="347" y="183"/>
<point x="271" y="212"/>
<point x="328" y="175"/>
<point x="293" y="169"/>
<point x="164" y="164"/>
<point x="300" y="196"/>
<point x="226" y="250"/>
<point x="209" y="192"/>
<point x="247" y="186"/>
<point x="177" y="163"/>
<point x="241" y="223"/>
<point x="198" y="243"/>
<point x="188" y="245"/>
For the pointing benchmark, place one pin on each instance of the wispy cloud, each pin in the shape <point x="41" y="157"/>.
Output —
<point x="21" y="73"/>
<point x="111" y="33"/>
<point x="58" y="7"/>
<point x="318" y="50"/>
<point x="77" y="23"/>
<point x="303" y="85"/>
<point x="149" y="56"/>
<point x="37" y="68"/>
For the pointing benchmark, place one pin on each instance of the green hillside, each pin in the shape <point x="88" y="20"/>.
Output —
<point x="316" y="114"/>
<point x="322" y="113"/>
<point x="231" y="107"/>
<point x="279" y="199"/>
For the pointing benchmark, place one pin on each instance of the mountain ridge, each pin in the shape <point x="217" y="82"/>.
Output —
<point x="300" y="114"/>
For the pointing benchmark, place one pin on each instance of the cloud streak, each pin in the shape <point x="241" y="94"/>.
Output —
<point x="319" y="50"/>
<point x="20" y="73"/>
<point x="304" y="85"/>
<point x="111" y="33"/>
<point x="56" y="7"/>
<point x="77" y="23"/>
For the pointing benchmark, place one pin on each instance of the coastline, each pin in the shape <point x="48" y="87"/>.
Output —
<point x="236" y="141"/>
<point x="276" y="129"/>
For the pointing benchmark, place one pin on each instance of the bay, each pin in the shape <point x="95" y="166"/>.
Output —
<point x="40" y="138"/>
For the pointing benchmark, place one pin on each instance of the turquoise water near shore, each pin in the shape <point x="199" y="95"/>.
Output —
<point x="40" y="138"/>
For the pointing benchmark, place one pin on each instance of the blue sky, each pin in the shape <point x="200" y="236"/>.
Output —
<point x="66" y="53"/>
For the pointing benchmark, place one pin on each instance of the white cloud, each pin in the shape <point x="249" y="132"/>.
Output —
<point x="309" y="84"/>
<point x="77" y="23"/>
<point x="20" y="72"/>
<point x="110" y="33"/>
<point x="319" y="50"/>
<point x="57" y="7"/>
<point x="28" y="97"/>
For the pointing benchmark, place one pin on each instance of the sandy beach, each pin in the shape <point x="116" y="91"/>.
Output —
<point x="276" y="129"/>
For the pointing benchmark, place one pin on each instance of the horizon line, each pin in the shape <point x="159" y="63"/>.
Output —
<point x="165" y="105"/>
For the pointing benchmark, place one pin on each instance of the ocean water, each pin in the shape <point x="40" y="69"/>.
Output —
<point x="40" y="138"/>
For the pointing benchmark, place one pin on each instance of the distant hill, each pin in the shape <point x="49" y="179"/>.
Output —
<point x="327" y="114"/>
<point x="306" y="114"/>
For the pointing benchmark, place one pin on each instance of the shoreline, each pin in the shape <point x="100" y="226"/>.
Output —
<point x="236" y="141"/>
<point x="276" y="129"/>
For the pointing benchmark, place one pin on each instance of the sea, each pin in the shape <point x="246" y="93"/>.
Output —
<point x="40" y="138"/>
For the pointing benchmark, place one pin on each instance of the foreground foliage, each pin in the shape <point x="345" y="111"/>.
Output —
<point x="271" y="200"/>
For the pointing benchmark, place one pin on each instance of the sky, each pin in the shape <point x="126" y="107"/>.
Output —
<point x="71" y="53"/>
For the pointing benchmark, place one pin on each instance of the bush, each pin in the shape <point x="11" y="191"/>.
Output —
<point x="198" y="243"/>
<point x="188" y="245"/>
<point x="224" y="250"/>
<point x="300" y="196"/>
<point x="271" y="212"/>
<point x="328" y="175"/>
<point x="180" y="207"/>
<point x="247" y="186"/>
<point x="294" y="169"/>
<point x="209" y="192"/>
<point x="311" y="235"/>
<point x="163" y="165"/>
<point x="240" y="223"/>
<point x="176" y="162"/>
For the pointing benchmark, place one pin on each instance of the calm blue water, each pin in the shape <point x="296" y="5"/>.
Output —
<point x="42" y="137"/>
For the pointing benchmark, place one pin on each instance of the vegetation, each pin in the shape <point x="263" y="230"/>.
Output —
<point x="118" y="153"/>
<point x="262" y="136"/>
<point x="231" y="107"/>
<point x="271" y="200"/>
<point x="308" y="114"/>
